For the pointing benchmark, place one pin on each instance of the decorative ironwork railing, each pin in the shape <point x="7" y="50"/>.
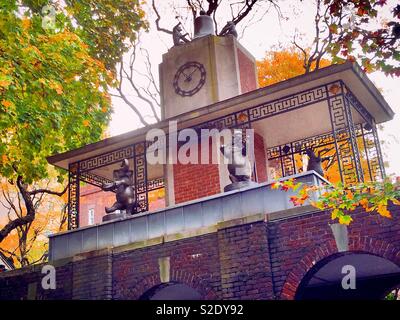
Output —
<point x="345" y="139"/>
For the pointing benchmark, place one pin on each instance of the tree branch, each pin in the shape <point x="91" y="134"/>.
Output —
<point x="192" y="8"/>
<point x="21" y="221"/>
<point x="55" y="193"/>
<point x="159" y="28"/>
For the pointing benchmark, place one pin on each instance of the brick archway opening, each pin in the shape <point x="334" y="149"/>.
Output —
<point x="324" y="251"/>
<point x="349" y="275"/>
<point x="171" y="291"/>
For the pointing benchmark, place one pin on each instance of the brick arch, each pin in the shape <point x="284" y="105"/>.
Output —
<point x="201" y="284"/>
<point x="366" y="244"/>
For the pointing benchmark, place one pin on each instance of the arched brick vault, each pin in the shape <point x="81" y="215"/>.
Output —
<point x="366" y="244"/>
<point x="197" y="283"/>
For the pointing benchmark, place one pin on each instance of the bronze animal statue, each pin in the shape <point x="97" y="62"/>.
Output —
<point x="229" y="28"/>
<point x="125" y="193"/>
<point x="177" y="35"/>
<point x="315" y="161"/>
<point x="239" y="166"/>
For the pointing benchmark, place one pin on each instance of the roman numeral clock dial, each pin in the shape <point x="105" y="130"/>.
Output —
<point x="189" y="79"/>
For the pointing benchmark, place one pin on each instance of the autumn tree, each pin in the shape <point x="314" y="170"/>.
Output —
<point x="356" y="31"/>
<point x="28" y="243"/>
<point x="283" y="63"/>
<point x="56" y="65"/>
<point x="364" y="36"/>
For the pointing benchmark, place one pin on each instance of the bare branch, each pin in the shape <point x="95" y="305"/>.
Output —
<point x="9" y="201"/>
<point x="55" y="193"/>
<point x="8" y="253"/>
<point x="192" y="8"/>
<point x="158" y="20"/>
<point x="123" y="97"/>
<point x="137" y="90"/>
<point x="253" y="21"/>
<point x="148" y="92"/>
<point x="42" y="258"/>
<point x="305" y="55"/>
<point x="212" y="6"/>
<point x="64" y="217"/>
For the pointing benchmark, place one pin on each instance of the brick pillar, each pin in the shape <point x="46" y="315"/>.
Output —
<point x="245" y="262"/>
<point x="248" y="73"/>
<point x="92" y="276"/>
<point x="260" y="157"/>
<point x="195" y="181"/>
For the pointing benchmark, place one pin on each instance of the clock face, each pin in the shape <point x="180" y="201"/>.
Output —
<point x="189" y="79"/>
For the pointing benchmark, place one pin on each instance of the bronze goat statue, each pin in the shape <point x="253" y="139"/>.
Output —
<point x="315" y="161"/>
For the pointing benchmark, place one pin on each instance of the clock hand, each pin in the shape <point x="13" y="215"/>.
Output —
<point x="186" y="76"/>
<point x="193" y="72"/>
<point x="189" y="77"/>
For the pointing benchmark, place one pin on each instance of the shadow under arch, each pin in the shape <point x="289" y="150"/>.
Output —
<point x="374" y="276"/>
<point x="171" y="291"/>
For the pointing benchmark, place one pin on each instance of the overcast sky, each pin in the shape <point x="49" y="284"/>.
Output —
<point x="258" y="38"/>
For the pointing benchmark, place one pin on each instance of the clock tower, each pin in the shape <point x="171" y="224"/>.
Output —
<point x="204" y="71"/>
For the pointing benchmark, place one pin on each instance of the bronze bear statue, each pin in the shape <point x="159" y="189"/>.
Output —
<point x="239" y="166"/>
<point x="125" y="192"/>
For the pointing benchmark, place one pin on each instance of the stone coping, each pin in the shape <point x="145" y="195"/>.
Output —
<point x="184" y="220"/>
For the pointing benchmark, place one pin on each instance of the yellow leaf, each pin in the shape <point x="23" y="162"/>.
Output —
<point x="396" y="202"/>
<point x="369" y="209"/>
<point x="26" y="23"/>
<point x="345" y="220"/>
<point x="314" y="204"/>
<point x="86" y="123"/>
<point x="335" y="213"/>
<point x="383" y="211"/>
<point x="364" y="202"/>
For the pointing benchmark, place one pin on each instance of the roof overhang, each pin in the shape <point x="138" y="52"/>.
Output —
<point x="350" y="73"/>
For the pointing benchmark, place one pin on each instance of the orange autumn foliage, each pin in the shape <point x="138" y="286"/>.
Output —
<point x="280" y="65"/>
<point x="283" y="64"/>
<point x="49" y="218"/>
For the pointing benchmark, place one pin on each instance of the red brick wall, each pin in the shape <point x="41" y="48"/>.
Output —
<point x="93" y="197"/>
<point x="261" y="161"/>
<point x="14" y="284"/>
<point x="248" y="79"/>
<point x="245" y="262"/>
<point x="296" y="244"/>
<point x="194" y="181"/>
<point x="261" y="260"/>
<point x="92" y="277"/>
<point x="193" y="261"/>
